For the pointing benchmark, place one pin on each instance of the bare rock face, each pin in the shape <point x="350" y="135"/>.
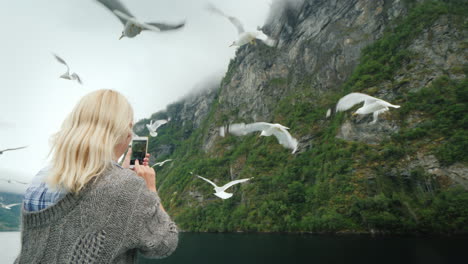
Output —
<point x="163" y="150"/>
<point x="210" y="138"/>
<point x="440" y="50"/>
<point x="196" y="195"/>
<point x="186" y="114"/>
<point x="366" y="132"/>
<point x="139" y="128"/>
<point x="457" y="172"/>
<point x="317" y="38"/>
<point x="195" y="107"/>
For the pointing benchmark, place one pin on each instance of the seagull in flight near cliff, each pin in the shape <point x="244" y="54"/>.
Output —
<point x="244" y="37"/>
<point x="10" y="149"/>
<point x="132" y="26"/>
<point x="67" y="75"/>
<point x="371" y="105"/>
<point x="220" y="191"/>
<point x="8" y="206"/>
<point x="160" y="164"/>
<point x="267" y="129"/>
<point x="152" y="127"/>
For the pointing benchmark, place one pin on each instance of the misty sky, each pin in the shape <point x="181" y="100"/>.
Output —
<point x="151" y="70"/>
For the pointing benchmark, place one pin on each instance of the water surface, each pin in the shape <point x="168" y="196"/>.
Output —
<point x="282" y="248"/>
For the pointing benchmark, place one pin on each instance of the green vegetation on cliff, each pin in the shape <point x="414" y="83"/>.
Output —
<point x="333" y="185"/>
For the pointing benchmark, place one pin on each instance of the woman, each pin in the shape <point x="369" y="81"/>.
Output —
<point x="84" y="207"/>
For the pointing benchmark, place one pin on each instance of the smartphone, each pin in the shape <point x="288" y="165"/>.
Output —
<point x="139" y="150"/>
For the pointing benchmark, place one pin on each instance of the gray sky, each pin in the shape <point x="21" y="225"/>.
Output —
<point x="151" y="70"/>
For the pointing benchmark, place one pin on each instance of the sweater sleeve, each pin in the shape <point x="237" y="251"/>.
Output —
<point x="155" y="234"/>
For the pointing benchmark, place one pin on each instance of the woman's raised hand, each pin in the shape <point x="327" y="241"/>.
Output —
<point x="146" y="172"/>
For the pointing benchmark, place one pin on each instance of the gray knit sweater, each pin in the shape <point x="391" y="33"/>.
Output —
<point x="109" y="221"/>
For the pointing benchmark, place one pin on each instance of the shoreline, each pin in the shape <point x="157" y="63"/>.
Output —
<point x="340" y="234"/>
<point x="344" y="235"/>
<point x="374" y="234"/>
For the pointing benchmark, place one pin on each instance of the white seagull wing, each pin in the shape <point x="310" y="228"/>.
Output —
<point x="158" y="123"/>
<point x="165" y="26"/>
<point x="222" y="131"/>
<point x="20" y="182"/>
<point x="237" y="129"/>
<point x="147" y="26"/>
<point x="258" y="126"/>
<point x="114" y="5"/>
<point x="210" y="182"/>
<point x="10" y="205"/>
<point x="241" y="129"/>
<point x="387" y="104"/>
<point x="62" y="61"/>
<point x="234" y="20"/>
<point x="126" y="17"/>
<point x="352" y="99"/>
<point x="223" y="195"/>
<point x="285" y="138"/>
<point x="212" y="8"/>
<point x="266" y="39"/>
<point x="229" y="184"/>
<point x="160" y="164"/>
<point x="157" y="164"/>
<point x="166" y="161"/>
<point x="10" y="149"/>
<point x="77" y="78"/>
<point x="150" y="127"/>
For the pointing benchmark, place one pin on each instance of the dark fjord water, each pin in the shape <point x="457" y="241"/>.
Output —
<point x="281" y="248"/>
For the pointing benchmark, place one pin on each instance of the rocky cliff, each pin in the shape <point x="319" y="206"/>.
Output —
<point x="406" y="173"/>
<point x="319" y="45"/>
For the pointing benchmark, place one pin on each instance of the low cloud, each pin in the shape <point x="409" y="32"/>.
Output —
<point x="279" y="7"/>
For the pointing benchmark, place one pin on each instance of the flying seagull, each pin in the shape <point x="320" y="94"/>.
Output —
<point x="244" y="37"/>
<point x="220" y="191"/>
<point x="10" y="181"/>
<point x="67" y="75"/>
<point x="152" y="127"/>
<point x="160" y="164"/>
<point x="279" y="131"/>
<point x="132" y="26"/>
<point x="10" y="149"/>
<point x="371" y="105"/>
<point x="8" y="206"/>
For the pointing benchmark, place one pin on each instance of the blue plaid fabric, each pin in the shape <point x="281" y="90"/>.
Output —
<point x="39" y="196"/>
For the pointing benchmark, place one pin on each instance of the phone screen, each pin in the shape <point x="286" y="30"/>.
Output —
<point x="138" y="151"/>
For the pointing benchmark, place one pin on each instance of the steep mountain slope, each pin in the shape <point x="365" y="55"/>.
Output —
<point x="407" y="173"/>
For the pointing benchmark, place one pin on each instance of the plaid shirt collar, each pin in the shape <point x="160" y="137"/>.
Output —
<point x="39" y="196"/>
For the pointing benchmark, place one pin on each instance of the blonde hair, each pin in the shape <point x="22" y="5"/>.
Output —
<point x="84" y="147"/>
